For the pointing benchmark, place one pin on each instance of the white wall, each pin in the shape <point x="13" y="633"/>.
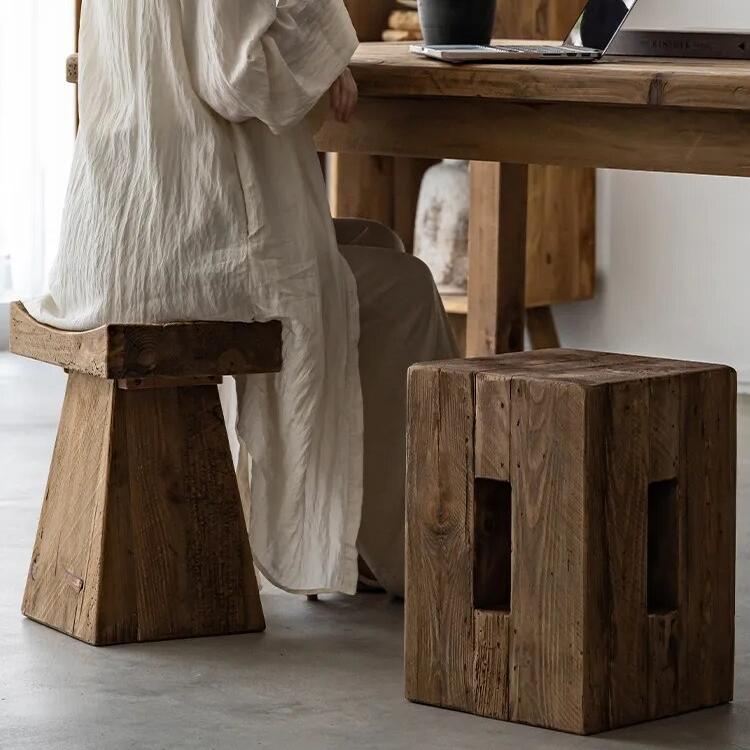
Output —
<point x="674" y="250"/>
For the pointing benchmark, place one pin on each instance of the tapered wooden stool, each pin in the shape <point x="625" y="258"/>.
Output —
<point x="571" y="537"/>
<point x="141" y="535"/>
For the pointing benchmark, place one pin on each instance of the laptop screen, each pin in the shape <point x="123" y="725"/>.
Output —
<point x="599" y="23"/>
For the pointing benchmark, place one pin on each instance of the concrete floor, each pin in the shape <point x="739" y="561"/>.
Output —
<point x="323" y="676"/>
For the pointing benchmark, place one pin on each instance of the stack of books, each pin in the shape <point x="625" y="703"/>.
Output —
<point x="403" y="25"/>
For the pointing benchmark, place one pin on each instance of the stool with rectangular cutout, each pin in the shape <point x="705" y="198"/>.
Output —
<point x="571" y="537"/>
<point x="141" y="535"/>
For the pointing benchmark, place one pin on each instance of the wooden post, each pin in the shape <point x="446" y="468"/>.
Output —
<point x="497" y="258"/>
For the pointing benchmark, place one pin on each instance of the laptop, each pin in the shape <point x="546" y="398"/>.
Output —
<point x="589" y="39"/>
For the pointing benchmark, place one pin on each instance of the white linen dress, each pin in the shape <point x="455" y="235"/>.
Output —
<point x="196" y="194"/>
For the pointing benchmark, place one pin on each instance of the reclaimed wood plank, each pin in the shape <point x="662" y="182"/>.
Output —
<point x="117" y="599"/>
<point x="667" y="642"/>
<point x="421" y="634"/>
<point x="194" y="349"/>
<point x="547" y="614"/>
<point x="491" y="664"/>
<point x="384" y="70"/>
<point x="192" y="560"/>
<point x="492" y="429"/>
<point x="708" y="476"/>
<point x="63" y="582"/>
<point x="626" y="434"/>
<point x="654" y="139"/>
<point x="596" y="581"/>
<point x="666" y="665"/>
<point x="497" y="258"/>
<point x="440" y="635"/>
<point x="664" y="424"/>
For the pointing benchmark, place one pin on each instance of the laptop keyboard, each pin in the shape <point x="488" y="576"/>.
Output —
<point x="543" y="50"/>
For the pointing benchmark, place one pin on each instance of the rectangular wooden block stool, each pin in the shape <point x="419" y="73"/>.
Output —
<point x="141" y="535"/>
<point x="571" y="537"/>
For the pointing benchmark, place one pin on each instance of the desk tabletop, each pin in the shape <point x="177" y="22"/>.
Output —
<point x="390" y="70"/>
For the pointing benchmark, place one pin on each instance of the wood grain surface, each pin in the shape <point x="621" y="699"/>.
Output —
<point x="197" y="349"/>
<point x="548" y="606"/>
<point x="64" y="582"/>
<point x="440" y="631"/>
<point x="192" y="564"/>
<point x="621" y="474"/>
<point x="708" y="478"/>
<point x="386" y="70"/>
<point x="497" y="258"/>
<point x="141" y="535"/>
<point x="655" y="139"/>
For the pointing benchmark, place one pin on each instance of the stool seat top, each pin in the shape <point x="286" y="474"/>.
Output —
<point x="586" y="368"/>
<point x="123" y="351"/>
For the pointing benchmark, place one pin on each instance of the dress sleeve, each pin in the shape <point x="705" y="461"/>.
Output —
<point x="259" y="59"/>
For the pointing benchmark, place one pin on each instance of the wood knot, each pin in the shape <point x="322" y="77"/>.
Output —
<point x="73" y="581"/>
<point x="657" y="90"/>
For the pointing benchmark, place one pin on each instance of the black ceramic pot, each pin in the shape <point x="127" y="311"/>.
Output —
<point x="457" y="21"/>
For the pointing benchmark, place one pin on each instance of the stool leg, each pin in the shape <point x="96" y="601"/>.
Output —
<point x="64" y="576"/>
<point x="142" y="535"/>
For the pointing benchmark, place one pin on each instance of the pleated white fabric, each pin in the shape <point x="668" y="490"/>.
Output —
<point x="196" y="194"/>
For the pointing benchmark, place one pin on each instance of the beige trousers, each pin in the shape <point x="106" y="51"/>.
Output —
<point x="402" y="321"/>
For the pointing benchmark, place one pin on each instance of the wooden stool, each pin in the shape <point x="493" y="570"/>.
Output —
<point x="141" y="535"/>
<point x="571" y="537"/>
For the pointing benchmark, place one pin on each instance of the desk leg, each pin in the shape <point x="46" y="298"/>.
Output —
<point x="497" y="258"/>
<point x="542" y="329"/>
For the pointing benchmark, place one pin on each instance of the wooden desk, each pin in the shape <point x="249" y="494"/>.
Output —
<point x="652" y="115"/>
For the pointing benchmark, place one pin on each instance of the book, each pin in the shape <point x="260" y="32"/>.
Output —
<point x="691" y="43"/>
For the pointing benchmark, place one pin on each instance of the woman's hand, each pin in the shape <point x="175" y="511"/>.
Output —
<point x="344" y="96"/>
